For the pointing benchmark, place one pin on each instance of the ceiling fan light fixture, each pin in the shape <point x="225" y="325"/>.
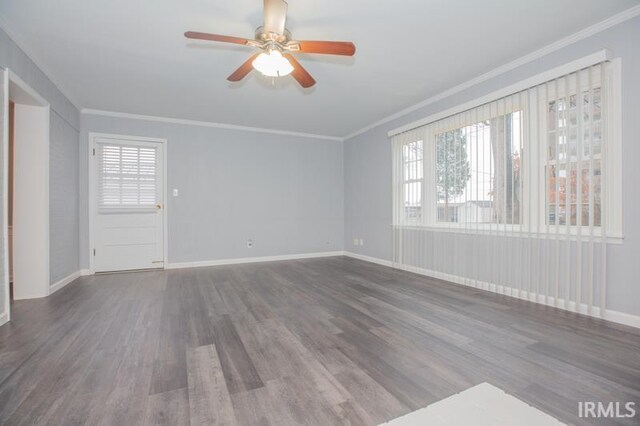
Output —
<point x="275" y="44"/>
<point x="272" y="64"/>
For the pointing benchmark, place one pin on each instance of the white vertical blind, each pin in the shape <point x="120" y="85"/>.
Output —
<point x="127" y="175"/>
<point x="510" y="196"/>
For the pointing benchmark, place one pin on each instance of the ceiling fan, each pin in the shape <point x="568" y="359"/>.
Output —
<point x="276" y="45"/>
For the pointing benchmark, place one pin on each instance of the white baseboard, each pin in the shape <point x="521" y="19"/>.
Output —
<point x="369" y="259"/>
<point x="198" y="264"/>
<point x="622" y="318"/>
<point x="85" y="272"/>
<point x="609" y="315"/>
<point x="63" y="282"/>
<point x="4" y="318"/>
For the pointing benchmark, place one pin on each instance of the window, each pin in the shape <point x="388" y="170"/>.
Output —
<point x="412" y="180"/>
<point x="127" y="176"/>
<point x="478" y="171"/>
<point x="532" y="161"/>
<point x="574" y="167"/>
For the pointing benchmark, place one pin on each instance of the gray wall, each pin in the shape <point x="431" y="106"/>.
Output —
<point x="64" y="190"/>
<point x="283" y="192"/>
<point x="64" y="133"/>
<point x="367" y="162"/>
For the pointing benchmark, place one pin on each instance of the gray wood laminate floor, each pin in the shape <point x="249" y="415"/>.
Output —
<point x="317" y="341"/>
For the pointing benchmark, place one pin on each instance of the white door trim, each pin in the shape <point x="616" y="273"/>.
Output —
<point x="31" y="250"/>
<point x="92" y="191"/>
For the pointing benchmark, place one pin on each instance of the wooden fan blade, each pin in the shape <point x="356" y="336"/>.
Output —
<point x="243" y="70"/>
<point x="299" y="73"/>
<point x="345" y="48"/>
<point x="275" y="16"/>
<point x="215" y="37"/>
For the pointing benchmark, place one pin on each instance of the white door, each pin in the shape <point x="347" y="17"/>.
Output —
<point x="128" y="203"/>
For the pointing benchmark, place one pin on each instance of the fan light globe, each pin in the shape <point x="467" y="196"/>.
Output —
<point x="272" y="64"/>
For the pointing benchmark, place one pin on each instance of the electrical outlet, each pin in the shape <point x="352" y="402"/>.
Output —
<point x="249" y="243"/>
<point x="175" y="192"/>
<point x="361" y="242"/>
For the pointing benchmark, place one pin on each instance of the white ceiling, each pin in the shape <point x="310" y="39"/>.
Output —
<point x="130" y="56"/>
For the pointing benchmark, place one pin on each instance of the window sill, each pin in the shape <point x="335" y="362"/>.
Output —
<point x="511" y="231"/>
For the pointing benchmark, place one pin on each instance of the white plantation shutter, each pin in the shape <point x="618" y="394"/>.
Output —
<point x="127" y="175"/>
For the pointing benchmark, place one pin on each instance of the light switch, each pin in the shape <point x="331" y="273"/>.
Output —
<point x="175" y="192"/>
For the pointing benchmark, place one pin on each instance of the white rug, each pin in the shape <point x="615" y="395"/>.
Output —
<point x="481" y="405"/>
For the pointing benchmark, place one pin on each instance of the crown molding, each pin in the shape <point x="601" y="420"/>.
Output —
<point x="13" y="35"/>
<point x="159" y="119"/>
<point x="550" y="48"/>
